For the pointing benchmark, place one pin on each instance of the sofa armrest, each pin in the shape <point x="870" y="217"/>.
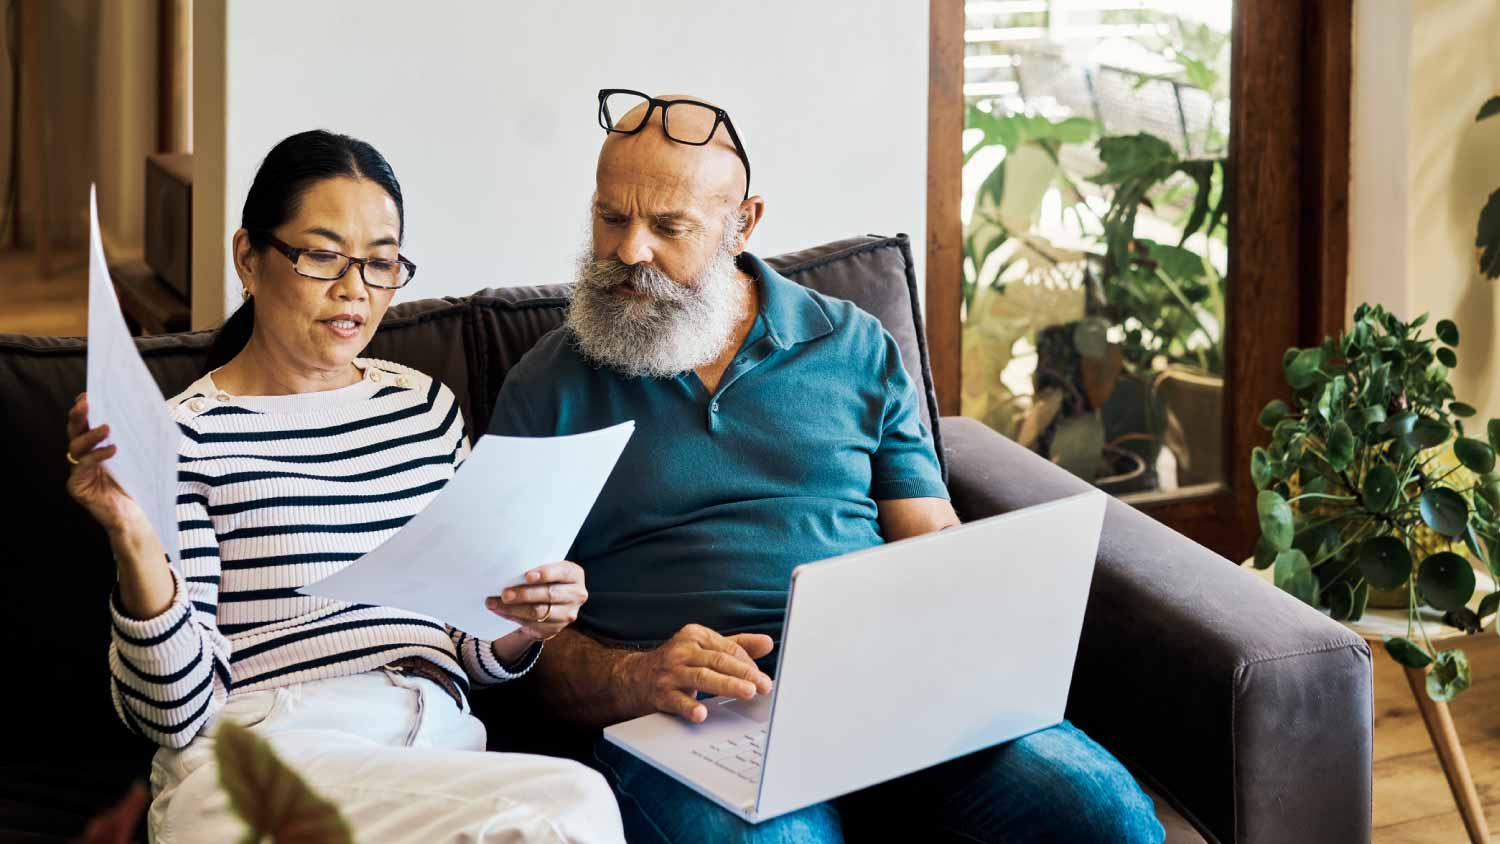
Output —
<point x="1252" y="711"/>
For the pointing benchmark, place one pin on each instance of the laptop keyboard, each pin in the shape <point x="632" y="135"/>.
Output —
<point x="740" y="756"/>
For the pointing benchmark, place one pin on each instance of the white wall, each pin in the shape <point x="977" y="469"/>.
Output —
<point x="1421" y="170"/>
<point x="487" y="113"/>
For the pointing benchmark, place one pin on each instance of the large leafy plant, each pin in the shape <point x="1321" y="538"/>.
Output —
<point x="1169" y="299"/>
<point x="1371" y="482"/>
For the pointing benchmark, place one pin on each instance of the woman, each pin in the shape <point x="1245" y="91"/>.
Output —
<point x="298" y="456"/>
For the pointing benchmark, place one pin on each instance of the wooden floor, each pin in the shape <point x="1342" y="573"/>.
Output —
<point x="1412" y="802"/>
<point x="30" y="304"/>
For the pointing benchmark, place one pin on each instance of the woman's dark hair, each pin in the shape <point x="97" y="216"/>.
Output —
<point x="289" y="169"/>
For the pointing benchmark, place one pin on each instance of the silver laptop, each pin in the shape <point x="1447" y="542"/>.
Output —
<point x="894" y="659"/>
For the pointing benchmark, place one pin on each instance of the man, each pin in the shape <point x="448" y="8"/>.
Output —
<point x="774" y="426"/>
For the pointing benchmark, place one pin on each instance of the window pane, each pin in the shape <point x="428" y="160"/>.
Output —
<point x="1096" y="234"/>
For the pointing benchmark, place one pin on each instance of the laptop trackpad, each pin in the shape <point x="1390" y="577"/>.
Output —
<point x="757" y="709"/>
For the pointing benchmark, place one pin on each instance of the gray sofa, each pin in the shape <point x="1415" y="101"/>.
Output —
<point x="1246" y="714"/>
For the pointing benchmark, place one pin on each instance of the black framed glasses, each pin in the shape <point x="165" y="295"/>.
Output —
<point x="327" y="265"/>
<point x="690" y="122"/>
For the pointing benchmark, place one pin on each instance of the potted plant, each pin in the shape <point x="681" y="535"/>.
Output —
<point x="1371" y="482"/>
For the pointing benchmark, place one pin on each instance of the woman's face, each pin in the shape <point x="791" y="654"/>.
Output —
<point x="322" y="325"/>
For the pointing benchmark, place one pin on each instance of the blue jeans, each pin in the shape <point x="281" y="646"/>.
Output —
<point x="1056" y="786"/>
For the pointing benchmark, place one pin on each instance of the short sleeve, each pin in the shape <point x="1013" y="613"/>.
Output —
<point x="905" y="464"/>
<point x="520" y="405"/>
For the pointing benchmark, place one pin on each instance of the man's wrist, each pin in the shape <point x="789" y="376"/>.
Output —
<point x="624" y="676"/>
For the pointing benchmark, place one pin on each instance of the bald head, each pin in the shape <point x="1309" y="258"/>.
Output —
<point x="651" y="161"/>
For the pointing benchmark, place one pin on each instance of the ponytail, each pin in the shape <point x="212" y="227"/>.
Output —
<point x="232" y="336"/>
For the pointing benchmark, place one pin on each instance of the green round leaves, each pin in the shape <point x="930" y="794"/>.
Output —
<point x="1445" y="511"/>
<point x="1488" y="489"/>
<point x="1476" y="455"/>
<point x="1449" y="676"/>
<point x="1294" y="575"/>
<point x="1274" y="411"/>
<point x="1260" y="467"/>
<point x="1385" y="562"/>
<point x="1426" y="433"/>
<point x="1447" y="331"/>
<point x="1275" y="519"/>
<point x="1302" y="367"/>
<point x="1459" y="409"/>
<point x="1446" y="357"/>
<point x="1403" y="651"/>
<point x="1446" y="580"/>
<point x="1265" y="555"/>
<point x="1494" y="433"/>
<point x="1379" y="489"/>
<point x="1340" y="446"/>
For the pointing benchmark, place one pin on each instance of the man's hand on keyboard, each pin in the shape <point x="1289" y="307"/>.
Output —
<point x="695" y="660"/>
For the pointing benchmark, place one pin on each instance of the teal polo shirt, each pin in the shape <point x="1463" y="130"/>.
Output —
<point x="718" y="496"/>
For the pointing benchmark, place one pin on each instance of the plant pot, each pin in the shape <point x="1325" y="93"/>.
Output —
<point x="1124" y="471"/>
<point x="1193" y="429"/>
<point x="1390" y="599"/>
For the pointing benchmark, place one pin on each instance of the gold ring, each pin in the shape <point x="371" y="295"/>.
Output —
<point x="546" y="615"/>
<point x="71" y="458"/>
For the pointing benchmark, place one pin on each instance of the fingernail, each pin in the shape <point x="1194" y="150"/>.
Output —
<point x="533" y="575"/>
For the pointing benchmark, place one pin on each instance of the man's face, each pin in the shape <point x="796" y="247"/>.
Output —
<point x="660" y="219"/>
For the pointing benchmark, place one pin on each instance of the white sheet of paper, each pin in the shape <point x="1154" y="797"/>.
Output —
<point x="124" y="396"/>
<point x="516" y="503"/>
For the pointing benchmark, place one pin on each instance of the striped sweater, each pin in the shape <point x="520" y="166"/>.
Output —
<point x="274" y="493"/>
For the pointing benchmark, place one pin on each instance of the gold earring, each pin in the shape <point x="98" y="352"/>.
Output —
<point x="244" y="294"/>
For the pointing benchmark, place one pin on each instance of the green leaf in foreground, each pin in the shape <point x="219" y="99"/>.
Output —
<point x="1426" y="433"/>
<point x="1294" y="575"/>
<point x="1449" y="676"/>
<point x="1385" y="562"/>
<point x="1445" y="511"/>
<point x="1275" y="519"/>
<point x="1476" y="455"/>
<point x="1379" y="489"/>
<point x="1403" y="651"/>
<point x="1340" y="446"/>
<point x="270" y="797"/>
<point x="1446" y="580"/>
<point x="1488" y="606"/>
<point x="1274" y="411"/>
<point x="1260" y="467"/>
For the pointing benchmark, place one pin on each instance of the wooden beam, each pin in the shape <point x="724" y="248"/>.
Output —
<point x="945" y="127"/>
<point x="34" y="125"/>
<point x="1328" y="76"/>
<point x="174" y="124"/>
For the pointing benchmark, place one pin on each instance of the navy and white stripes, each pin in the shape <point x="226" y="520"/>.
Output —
<point x="274" y="493"/>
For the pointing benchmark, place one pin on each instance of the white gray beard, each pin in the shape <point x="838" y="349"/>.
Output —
<point x="670" y="330"/>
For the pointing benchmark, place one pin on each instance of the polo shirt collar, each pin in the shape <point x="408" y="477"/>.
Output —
<point x="790" y="312"/>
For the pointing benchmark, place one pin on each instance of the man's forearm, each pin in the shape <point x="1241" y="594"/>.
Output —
<point x="587" y="683"/>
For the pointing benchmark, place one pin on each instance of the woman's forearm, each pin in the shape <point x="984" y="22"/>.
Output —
<point x="146" y="585"/>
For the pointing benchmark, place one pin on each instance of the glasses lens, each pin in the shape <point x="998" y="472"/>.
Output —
<point x="690" y="123"/>
<point x="319" y="264"/>
<point x="623" y="112"/>
<point x="386" y="273"/>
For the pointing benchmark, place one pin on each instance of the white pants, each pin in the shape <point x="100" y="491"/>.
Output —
<point x="401" y="762"/>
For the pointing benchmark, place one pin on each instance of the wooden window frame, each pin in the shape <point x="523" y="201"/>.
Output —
<point x="1289" y="225"/>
